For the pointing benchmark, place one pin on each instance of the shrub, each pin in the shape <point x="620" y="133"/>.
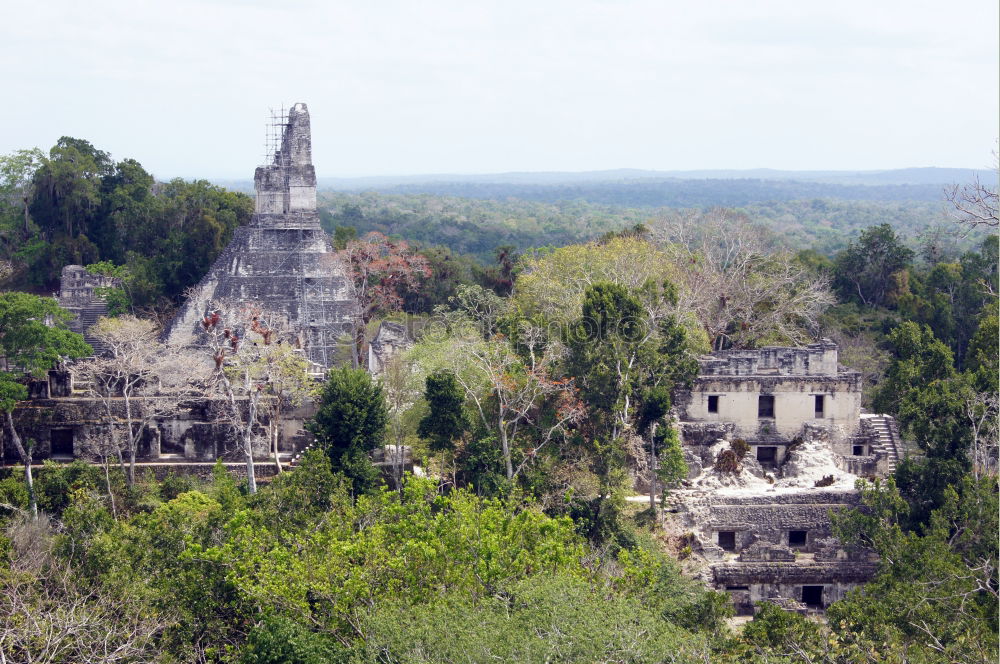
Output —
<point x="727" y="462"/>
<point x="174" y="485"/>
<point x="740" y="447"/>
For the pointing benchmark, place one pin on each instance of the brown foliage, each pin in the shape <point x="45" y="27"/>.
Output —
<point x="727" y="462"/>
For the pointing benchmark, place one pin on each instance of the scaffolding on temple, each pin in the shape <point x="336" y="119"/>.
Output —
<point x="274" y="131"/>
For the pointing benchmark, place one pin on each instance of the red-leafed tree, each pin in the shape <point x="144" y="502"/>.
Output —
<point x="382" y="272"/>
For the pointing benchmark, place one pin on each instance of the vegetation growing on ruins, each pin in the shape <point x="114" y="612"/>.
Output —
<point x="76" y="205"/>
<point x="542" y="380"/>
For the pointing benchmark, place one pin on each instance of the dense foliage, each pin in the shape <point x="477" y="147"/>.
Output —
<point x="77" y="205"/>
<point x="300" y="572"/>
<point x="477" y="226"/>
<point x="538" y="391"/>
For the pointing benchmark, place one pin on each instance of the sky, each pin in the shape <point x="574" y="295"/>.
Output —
<point x="481" y="86"/>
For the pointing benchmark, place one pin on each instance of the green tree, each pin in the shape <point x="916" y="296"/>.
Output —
<point x="625" y="362"/>
<point x="918" y="359"/>
<point x="983" y="358"/>
<point x="864" y="270"/>
<point x="17" y="171"/>
<point x="67" y="188"/>
<point x="342" y="235"/>
<point x="350" y="423"/>
<point x="33" y="338"/>
<point x="445" y="420"/>
<point x="935" y="593"/>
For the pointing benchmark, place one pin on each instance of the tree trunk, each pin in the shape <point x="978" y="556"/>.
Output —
<point x="133" y="441"/>
<point x="26" y="460"/>
<point x="251" y="476"/>
<point x="248" y="445"/>
<point x="274" y="447"/>
<point x="506" y="450"/>
<point x="244" y="432"/>
<point x="27" y="217"/>
<point x="652" y="467"/>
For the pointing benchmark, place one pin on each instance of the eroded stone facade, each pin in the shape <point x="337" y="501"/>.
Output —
<point x="79" y="294"/>
<point x="770" y="397"/>
<point x="66" y="423"/>
<point x="765" y="530"/>
<point x="282" y="260"/>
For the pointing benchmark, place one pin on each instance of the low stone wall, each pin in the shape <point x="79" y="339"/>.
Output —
<point x="749" y="584"/>
<point x="765" y="517"/>
<point x="776" y="573"/>
<point x="78" y="427"/>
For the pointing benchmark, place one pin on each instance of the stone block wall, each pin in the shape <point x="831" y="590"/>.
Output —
<point x="282" y="260"/>
<point x="77" y="427"/>
<point x="736" y="401"/>
<point x="818" y="359"/>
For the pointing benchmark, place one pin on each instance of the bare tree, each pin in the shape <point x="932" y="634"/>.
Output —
<point x="509" y="394"/>
<point x="285" y="375"/>
<point x="137" y="380"/>
<point x="46" y="617"/>
<point x="253" y="367"/>
<point x="381" y="272"/>
<point x="983" y="409"/>
<point x="975" y="205"/>
<point x="743" y="292"/>
<point x="401" y="391"/>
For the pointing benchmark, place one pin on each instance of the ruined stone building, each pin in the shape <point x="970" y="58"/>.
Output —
<point x="282" y="260"/>
<point x="765" y="530"/>
<point x="390" y="340"/>
<point x="79" y="294"/>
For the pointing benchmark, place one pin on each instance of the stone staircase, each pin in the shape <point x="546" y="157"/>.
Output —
<point x="297" y="458"/>
<point x="886" y="440"/>
<point x="87" y="318"/>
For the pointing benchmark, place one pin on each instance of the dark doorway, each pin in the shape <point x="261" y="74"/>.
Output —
<point x="820" y="405"/>
<point x="765" y="405"/>
<point x="62" y="442"/>
<point x="713" y="403"/>
<point x="767" y="456"/>
<point x="796" y="538"/>
<point x="727" y="540"/>
<point x="812" y="596"/>
<point x="859" y="450"/>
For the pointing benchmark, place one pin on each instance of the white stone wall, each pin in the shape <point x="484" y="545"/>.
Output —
<point x="794" y="405"/>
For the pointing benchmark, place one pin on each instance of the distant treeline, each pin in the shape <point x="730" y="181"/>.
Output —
<point x="471" y="226"/>
<point x="478" y="226"/>
<point x="673" y="192"/>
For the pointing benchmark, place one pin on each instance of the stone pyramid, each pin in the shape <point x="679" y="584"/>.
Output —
<point x="282" y="260"/>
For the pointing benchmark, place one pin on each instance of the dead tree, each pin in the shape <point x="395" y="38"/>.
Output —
<point x="253" y="365"/>
<point x="136" y="381"/>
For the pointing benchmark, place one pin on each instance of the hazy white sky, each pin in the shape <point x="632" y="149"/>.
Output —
<point x="472" y="86"/>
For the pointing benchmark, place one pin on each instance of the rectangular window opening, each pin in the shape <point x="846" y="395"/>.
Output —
<point x="859" y="450"/>
<point x="727" y="540"/>
<point x="820" y="403"/>
<point x="713" y="403"/>
<point x="796" y="538"/>
<point x="767" y="456"/>
<point x="62" y="442"/>
<point x="812" y="596"/>
<point x="737" y="587"/>
<point x="765" y="405"/>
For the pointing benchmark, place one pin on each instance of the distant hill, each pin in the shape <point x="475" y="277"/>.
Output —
<point x="929" y="175"/>
<point x="937" y="177"/>
<point x="643" y="188"/>
<point x="675" y="192"/>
